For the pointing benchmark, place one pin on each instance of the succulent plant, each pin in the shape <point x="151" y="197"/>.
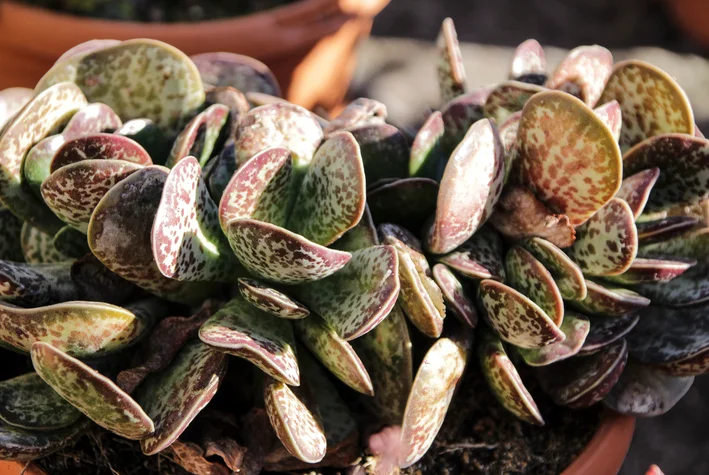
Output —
<point x="162" y="213"/>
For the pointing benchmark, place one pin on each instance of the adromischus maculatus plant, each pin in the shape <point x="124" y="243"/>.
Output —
<point x="562" y="209"/>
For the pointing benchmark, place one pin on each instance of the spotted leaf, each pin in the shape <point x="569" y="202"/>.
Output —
<point x="97" y="283"/>
<point x="271" y="300"/>
<point x="71" y="242"/>
<point x="566" y="273"/>
<point x="91" y="393"/>
<point x="201" y="136"/>
<point x="605" y="331"/>
<point x="505" y="382"/>
<point x="607" y="243"/>
<point x="357" y="298"/>
<point x="515" y="318"/>
<point x="235" y="100"/>
<point x="361" y="111"/>
<point x="456" y="295"/>
<point x="241" y="72"/>
<point x="99" y="147"/>
<point x="408" y="202"/>
<point x="583" y="73"/>
<point x="33" y="285"/>
<point x="636" y="189"/>
<point x="174" y="397"/>
<point x="86" y="47"/>
<point x="361" y="236"/>
<point x="576" y="328"/>
<point x="451" y="72"/>
<point x="652" y="270"/>
<point x="507" y="98"/>
<point x="480" y="257"/>
<point x="459" y="114"/>
<point x="242" y="330"/>
<point x="529" y="63"/>
<point x="10" y="236"/>
<point x="650" y="232"/>
<point x="93" y="118"/>
<point x="38" y="247"/>
<point x="23" y="445"/>
<point x="12" y="100"/>
<point x="427" y="158"/>
<point x="385" y="150"/>
<point x="609" y="301"/>
<point x="567" y="155"/>
<point x="470" y="188"/>
<point x="508" y="135"/>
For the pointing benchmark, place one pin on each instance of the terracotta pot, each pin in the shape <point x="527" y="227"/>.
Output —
<point x="603" y="455"/>
<point x="310" y="44"/>
<point x="693" y="17"/>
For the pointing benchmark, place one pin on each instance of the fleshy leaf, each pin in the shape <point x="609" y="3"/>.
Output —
<point x="456" y="295"/>
<point x="97" y="283"/>
<point x="385" y="151"/>
<point x="91" y="393"/>
<point x="470" y="188"/>
<point x="431" y="394"/>
<point x="582" y="381"/>
<point x="643" y="391"/>
<point x="29" y="403"/>
<point x="358" y="297"/>
<point x="650" y="232"/>
<point x="567" y="155"/>
<point x="194" y="459"/>
<point x="358" y="112"/>
<point x="520" y="215"/>
<point x="361" y="236"/>
<point x="186" y="239"/>
<point x="529" y="276"/>
<point x="529" y="63"/>
<point x="295" y="419"/>
<point x="605" y="331"/>
<point x="576" y="328"/>
<point x="73" y="191"/>
<point x="652" y="270"/>
<point x="480" y="257"/>
<point x="12" y="100"/>
<point x="271" y="300"/>
<point x="334" y="353"/>
<point x="507" y="98"/>
<point x="241" y="72"/>
<point x="427" y="158"/>
<point x="22" y="445"/>
<point x="386" y="352"/>
<point x="459" y="114"/>
<point x="607" y="243"/>
<point x="86" y="47"/>
<point x="242" y="330"/>
<point x="93" y="118"/>
<point x="71" y="242"/>
<point x="636" y="189"/>
<point x="33" y="285"/>
<point x="35" y="166"/>
<point x="156" y="81"/>
<point x="566" y="273"/>
<point x="201" y="136"/>
<point x="611" y="115"/>
<point x="408" y="202"/>
<point x="583" y="73"/>
<point x="278" y="125"/>
<point x="38" y="247"/>
<point x="42" y="115"/>
<point x="220" y="170"/>
<point x="172" y="398"/>
<point x="451" y="72"/>
<point x="236" y="102"/>
<point x="683" y="161"/>
<point x="278" y="255"/>
<point x="505" y="382"/>
<point x="609" y="301"/>
<point x="515" y="318"/>
<point x="332" y="194"/>
<point x="508" y="135"/>
<point x="10" y="236"/>
<point x="119" y="236"/>
<point x="146" y="133"/>
<point x="99" y="147"/>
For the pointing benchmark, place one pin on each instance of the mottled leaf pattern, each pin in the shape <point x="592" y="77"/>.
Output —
<point x="408" y="202"/>
<point x="241" y="72"/>
<point x="427" y="158"/>
<point x="361" y="236"/>
<point x="611" y="115"/>
<point x="385" y="150"/>
<point x="609" y="301"/>
<point x="361" y="111"/>
<point x="605" y="331"/>
<point x="576" y="328"/>
<point x="566" y="273"/>
<point x="528" y="61"/>
<point x="22" y="445"/>
<point x="652" y="270"/>
<point x="459" y="114"/>
<point x="635" y="189"/>
<point x="99" y="147"/>
<point x="33" y="285"/>
<point x="583" y="73"/>
<point x="271" y="300"/>
<point x="456" y="295"/>
<point x="12" y="100"/>
<point x="480" y="257"/>
<point x="201" y="136"/>
<point x="507" y="98"/>
<point x="38" y="247"/>
<point x="451" y="73"/>
<point x="92" y="119"/>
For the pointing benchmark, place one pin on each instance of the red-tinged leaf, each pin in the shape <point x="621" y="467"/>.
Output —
<point x="611" y="115"/>
<point x="605" y="331"/>
<point x="92" y="119"/>
<point x="576" y="328"/>
<point x="651" y="232"/>
<point x="236" y="102"/>
<point x="201" y="136"/>
<point x="361" y="236"/>
<point x="635" y="189"/>
<point x="566" y="273"/>
<point x="456" y="295"/>
<point x="451" y="72"/>
<point x="271" y="300"/>
<point x="193" y="459"/>
<point x="507" y="98"/>
<point x="427" y="158"/>
<point x="529" y="63"/>
<point x="99" y="147"/>
<point x="609" y="301"/>
<point x="241" y="72"/>
<point x="480" y="257"/>
<point x="358" y="112"/>
<point x="583" y="73"/>
<point x="459" y="114"/>
<point x="643" y="271"/>
<point x="12" y="100"/>
<point x="409" y="202"/>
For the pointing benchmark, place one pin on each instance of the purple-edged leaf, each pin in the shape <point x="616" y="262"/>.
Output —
<point x="459" y="114"/>
<point x="236" y="102"/>
<point x="296" y="421"/>
<point x="38" y="247"/>
<point x="386" y="352"/>
<point x="529" y="63"/>
<point x="607" y="243"/>
<point x="609" y="301"/>
<point x="515" y="318"/>
<point x="29" y="403"/>
<point x="643" y="91"/>
<point x="576" y="327"/>
<point x="507" y="98"/>
<point x="149" y="136"/>
<point x="480" y="257"/>
<point x="427" y="158"/>
<point x="10" y="236"/>
<point x="470" y="188"/>
<point x="683" y="161"/>
<point x="361" y="111"/>
<point x="611" y="115"/>
<point x="520" y="215"/>
<point x="385" y="151"/>
<point x="420" y="297"/>
<point x="91" y="393"/>
<point x="582" y="381"/>
<point x="566" y="273"/>
<point x="431" y="394"/>
<point x="100" y="147"/>
<point x="12" y="100"/>
<point x="408" y="202"/>
<point x="94" y="118"/>
<point x="643" y="271"/>
<point x="361" y="236"/>
<point x="262" y="189"/>
<point x="451" y="72"/>
<point x="583" y="73"/>
<point x="219" y="170"/>
<point x="644" y="391"/>
<point x="242" y="330"/>
<point x="651" y="232"/>
<point x="605" y="331"/>
<point x="334" y="353"/>
<point x="172" y="398"/>
<point x="42" y="115"/>
<point x="676" y="340"/>
<point x="567" y="155"/>
<point x="278" y="255"/>
<point x="33" y="285"/>
<point x="73" y="191"/>
<point x="505" y="382"/>
<point x="241" y="72"/>
<point x="271" y="300"/>
<point x="636" y="189"/>
<point x="119" y="236"/>
<point x="358" y="297"/>
<point x="332" y="194"/>
<point x="278" y="125"/>
<point x="35" y="166"/>
<point x="186" y="239"/>
<point x="528" y="275"/>
<point x="71" y="242"/>
<point x="201" y="136"/>
<point x="455" y="295"/>
<point x="23" y="445"/>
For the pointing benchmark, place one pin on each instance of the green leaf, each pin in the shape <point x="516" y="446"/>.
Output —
<point x="456" y="295"/>
<point x="507" y="98"/>
<point x="635" y="189"/>
<point x="566" y="273"/>
<point x="33" y="285"/>
<point x="271" y="300"/>
<point x="99" y="147"/>
<point x="451" y="73"/>
<point x="35" y="166"/>
<point x="480" y="257"/>
<point x="583" y="73"/>
<point x="427" y="158"/>
<point x="609" y="301"/>
<point x="385" y="150"/>
<point x="605" y="331"/>
<point x="361" y="236"/>
<point x="408" y="202"/>
<point x="38" y="246"/>
<point x="23" y="445"/>
<point x="576" y="328"/>
<point x="241" y="72"/>
<point x="459" y="114"/>
<point x="666" y="229"/>
<point x="10" y="236"/>
<point x="71" y="242"/>
<point x="200" y="137"/>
